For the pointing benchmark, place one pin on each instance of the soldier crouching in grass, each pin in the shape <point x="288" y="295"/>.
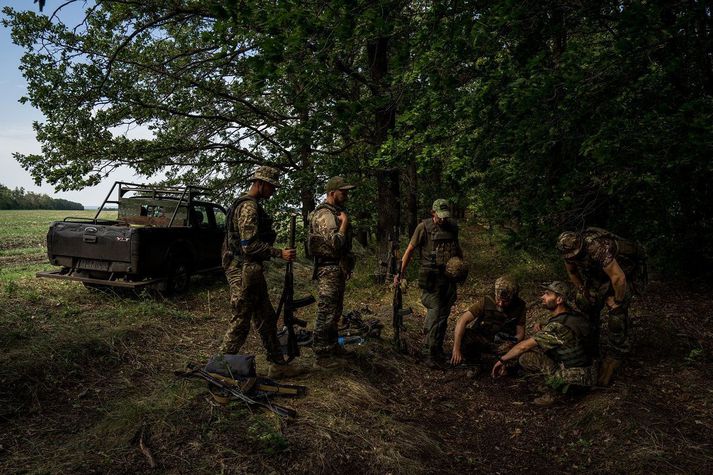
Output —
<point x="491" y="326"/>
<point x="248" y="244"/>
<point x="561" y="350"/>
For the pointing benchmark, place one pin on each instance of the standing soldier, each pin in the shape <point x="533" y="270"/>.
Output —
<point x="602" y="267"/>
<point x="437" y="240"/>
<point x="248" y="243"/>
<point x="561" y="351"/>
<point x="330" y="243"/>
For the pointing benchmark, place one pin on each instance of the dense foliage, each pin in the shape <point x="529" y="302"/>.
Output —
<point x="540" y="116"/>
<point x="21" y="199"/>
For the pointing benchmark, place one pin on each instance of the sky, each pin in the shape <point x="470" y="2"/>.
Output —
<point x="16" y="133"/>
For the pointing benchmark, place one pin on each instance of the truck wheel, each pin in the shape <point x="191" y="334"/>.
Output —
<point x="180" y="278"/>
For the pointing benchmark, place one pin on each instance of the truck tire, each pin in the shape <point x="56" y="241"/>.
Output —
<point x="179" y="279"/>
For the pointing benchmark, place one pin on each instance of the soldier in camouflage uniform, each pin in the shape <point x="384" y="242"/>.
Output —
<point x="602" y="267"/>
<point x="437" y="240"/>
<point x="248" y="244"/>
<point x="330" y="244"/>
<point x="561" y="350"/>
<point x="492" y="325"/>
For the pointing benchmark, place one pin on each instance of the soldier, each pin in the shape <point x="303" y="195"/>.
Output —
<point x="492" y="325"/>
<point x="602" y="267"/>
<point x="330" y="244"/>
<point x="437" y="240"/>
<point x="561" y="350"/>
<point x="248" y="243"/>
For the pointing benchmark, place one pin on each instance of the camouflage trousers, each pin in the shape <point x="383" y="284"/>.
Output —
<point x="249" y="300"/>
<point x="535" y="361"/>
<point x="438" y="305"/>
<point x="475" y="345"/>
<point x="618" y="320"/>
<point x="331" y="282"/>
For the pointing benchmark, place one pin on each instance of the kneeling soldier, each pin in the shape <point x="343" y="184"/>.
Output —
<point x="490" y="326"/>
<point x="561" y="350"/>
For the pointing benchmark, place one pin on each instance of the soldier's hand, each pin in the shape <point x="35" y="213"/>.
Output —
<point x="289" y="255"/>
<point x="498" y="370"/>
<point x="536" y="327"/>
<point x="343" y="217"/>
<point x="397" y="279"/>
<point x="457" y="357"/>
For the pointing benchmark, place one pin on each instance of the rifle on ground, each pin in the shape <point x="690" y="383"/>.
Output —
<point x="289" y="304"/>
<point x="238" y="394"/>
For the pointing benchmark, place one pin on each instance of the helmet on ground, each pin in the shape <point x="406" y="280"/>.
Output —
<point x="456" y="269"/>
<point x="569" y="244"/>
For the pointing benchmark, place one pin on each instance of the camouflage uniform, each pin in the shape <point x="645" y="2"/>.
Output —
<point x="600" y="250"/>
<point x="437" y="244"/>
<point x="490" y="320"/>
<point x="563" y="350"/>
<point x="248" y="244"/>
<point x="332" y="252"/>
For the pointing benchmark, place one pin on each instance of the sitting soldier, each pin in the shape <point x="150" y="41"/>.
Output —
<point x="490" y="326"/>
<point x="561" y="350"/>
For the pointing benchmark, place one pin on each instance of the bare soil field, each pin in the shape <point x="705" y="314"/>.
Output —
<point x="87" y="379"/>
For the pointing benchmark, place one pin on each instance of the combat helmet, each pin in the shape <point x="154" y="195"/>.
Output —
<point x="456" y="270"/>
<point x="506" y="288"/>
<point x="569" y="244"/>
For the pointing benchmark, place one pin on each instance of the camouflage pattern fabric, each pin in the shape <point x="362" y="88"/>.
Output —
<point x="491" y="319"/>
<point x="249" y="300"/>
<point x="438" y="304"/>
<point x="600" y="252"/>
<point x="331" y="281"/>
<point x="535" y="361"/>
<point x="324" y="230"/>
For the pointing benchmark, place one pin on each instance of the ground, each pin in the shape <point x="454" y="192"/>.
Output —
<point x="87" y="378"/>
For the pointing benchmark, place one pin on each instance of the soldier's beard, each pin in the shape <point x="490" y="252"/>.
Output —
<point x="550" y="304"/>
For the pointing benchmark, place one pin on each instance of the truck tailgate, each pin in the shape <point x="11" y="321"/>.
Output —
<point x="89" y="241"/>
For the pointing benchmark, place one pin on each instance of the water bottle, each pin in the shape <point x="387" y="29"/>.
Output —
<point x="350" y="340"/>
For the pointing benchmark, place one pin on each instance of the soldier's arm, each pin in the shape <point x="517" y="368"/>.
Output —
<point x="573" y="274"/>
<point x="519" y="332"/>
<point x="247" y="219"/>
<point x="327" y="226"/>
<point x="412" y="246"/>
<point x="513" y="354"/>
<point x="463" y="322"/>
<point x="618" y="281"/>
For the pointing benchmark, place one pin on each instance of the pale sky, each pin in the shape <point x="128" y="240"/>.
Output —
<point x="16" y="133"/>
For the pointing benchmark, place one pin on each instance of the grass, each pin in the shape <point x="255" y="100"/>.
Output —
<point x="85" y="376"/>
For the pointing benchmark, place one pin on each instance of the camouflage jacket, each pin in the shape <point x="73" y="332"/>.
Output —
<point x="250" y="232"/>
<point x="327" y="241"/>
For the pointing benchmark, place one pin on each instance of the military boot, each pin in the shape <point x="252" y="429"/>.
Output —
<point x="607" y="370"/>
<point x="283" y="370"/>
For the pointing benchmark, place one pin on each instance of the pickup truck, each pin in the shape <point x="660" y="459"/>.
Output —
<point x="161" y="236"/>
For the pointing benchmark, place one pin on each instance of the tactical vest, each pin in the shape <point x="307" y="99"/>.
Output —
<point x="630" y="255"/>
<point x="265" y="233"/>
<point x="575" y="352"/>
<point x="317" y="246"/>
<point x="494" y="321"/>
<point x="441" y="245"/>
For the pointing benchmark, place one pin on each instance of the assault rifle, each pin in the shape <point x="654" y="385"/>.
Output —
<point x="394" y="268"/>
<point x="398" y="319"/>
<point x="289" y="304"/>
<point x="235" y="392"/>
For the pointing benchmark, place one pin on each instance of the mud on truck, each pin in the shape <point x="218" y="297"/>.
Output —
<point x="161" y="236"/>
